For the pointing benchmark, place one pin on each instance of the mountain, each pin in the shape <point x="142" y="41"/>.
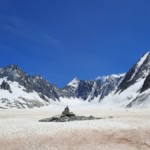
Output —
<point x="139" y="71"/>
<point x="21" y="90"/>
<point x="133" y="91"/>
<point x="24" y="90"/>
<point x="89" y="90"/>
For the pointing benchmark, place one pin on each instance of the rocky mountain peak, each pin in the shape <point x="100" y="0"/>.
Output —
<point x="13" y="67"/>
<point x="74" y="83"/>
<point x="12" y="72"/>
<point x="139" y="71"/>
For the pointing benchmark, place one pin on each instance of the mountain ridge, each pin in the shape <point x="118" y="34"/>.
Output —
<point x="21" y="90"/>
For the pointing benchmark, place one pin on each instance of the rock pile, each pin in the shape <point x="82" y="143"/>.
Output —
<point x="67" y="116"/>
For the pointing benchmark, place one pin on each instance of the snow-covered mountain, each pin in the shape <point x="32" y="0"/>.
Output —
<point x="134" y="90"/>
<point x="20" y="90"/>
<point x="88" y="90"/>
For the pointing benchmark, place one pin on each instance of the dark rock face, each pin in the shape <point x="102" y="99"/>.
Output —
<point x="68" y="92"/>
<point x="43" y="87"/>
<point x="146" y="84"/>
<point x="103" y="88"/>
<point x="88" y="90"/>
<point x="5" y="86"/>
<point x="67" y="116"/>
<point x="84" y="89"/>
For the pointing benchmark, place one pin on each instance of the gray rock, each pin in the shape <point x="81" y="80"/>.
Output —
<point x="67" y="116"/>
<point x="66" y="112"/>
<point x="146" y="84"/>
<point x="5" y="86"/>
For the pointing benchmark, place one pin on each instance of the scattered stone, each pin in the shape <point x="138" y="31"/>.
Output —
<point x="67" y="116"/>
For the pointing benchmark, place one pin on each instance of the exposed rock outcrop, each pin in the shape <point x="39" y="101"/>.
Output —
<point x="5" y="86"/>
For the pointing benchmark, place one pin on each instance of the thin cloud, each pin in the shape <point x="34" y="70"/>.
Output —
<point x="27" y="30"/>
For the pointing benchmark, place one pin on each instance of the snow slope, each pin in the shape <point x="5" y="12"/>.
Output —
<point x="19" y="98"/>
<point x="123" y="99"/>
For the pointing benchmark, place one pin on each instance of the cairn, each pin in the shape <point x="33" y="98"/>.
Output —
<point x="66" y="112"/>
<point x="67" y="116"/>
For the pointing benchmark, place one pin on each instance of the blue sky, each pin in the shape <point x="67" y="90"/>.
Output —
<point x="63" y="39"/>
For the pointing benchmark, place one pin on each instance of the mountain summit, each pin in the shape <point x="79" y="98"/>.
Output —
<point x="74" y="83"/>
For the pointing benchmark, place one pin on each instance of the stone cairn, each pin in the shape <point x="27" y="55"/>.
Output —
<point x="66" y="112"/>
<point x="67" y="116"/>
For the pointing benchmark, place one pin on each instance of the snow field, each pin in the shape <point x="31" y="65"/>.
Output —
<point x="128" y="129"/>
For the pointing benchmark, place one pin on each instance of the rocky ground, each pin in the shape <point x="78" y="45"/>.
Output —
<point x="118" y="130"/>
